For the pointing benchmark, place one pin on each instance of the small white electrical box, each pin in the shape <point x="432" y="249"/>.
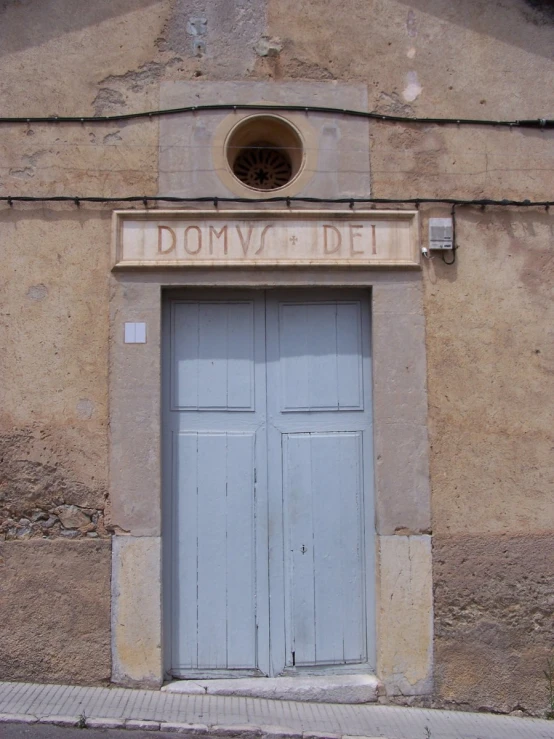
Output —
<point x="440" y="233"/>
<point x="135" y="333"/>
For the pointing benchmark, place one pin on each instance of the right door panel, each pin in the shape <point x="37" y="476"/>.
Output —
<point x="320" y="476"/>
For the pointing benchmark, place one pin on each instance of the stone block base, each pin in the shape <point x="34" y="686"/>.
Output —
<point x="55" y="605"/>
<point x="494" y="629"/>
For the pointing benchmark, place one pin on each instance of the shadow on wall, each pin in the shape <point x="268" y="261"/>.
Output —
<point x="39" y="21"/>
<point x="528" y="24"/>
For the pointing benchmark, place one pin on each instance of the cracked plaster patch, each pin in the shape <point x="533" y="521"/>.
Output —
<point x="113" y="88"/>
<point x="391" y="104"/>
<point x="30" y="163"/>
<point x="37" y="292"/>
<point x="268" y="46"/>
<point x="413" y="89"/>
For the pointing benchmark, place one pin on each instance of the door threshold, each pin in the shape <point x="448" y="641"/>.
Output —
<point x="317" y="689"/>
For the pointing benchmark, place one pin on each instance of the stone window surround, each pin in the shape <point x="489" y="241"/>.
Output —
<point x="404" y="608"/>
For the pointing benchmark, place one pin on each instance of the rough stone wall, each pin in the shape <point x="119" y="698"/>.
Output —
<point x="55" y="561"/>
<point x="55" y="619"/>
<point x="490" y="380"/>
<point x="53" y="447"/>
<point x="494" y="600"/>
<point x="489" y="317"/>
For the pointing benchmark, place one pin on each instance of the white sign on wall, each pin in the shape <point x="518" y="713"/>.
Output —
<point x="265" y="238"/>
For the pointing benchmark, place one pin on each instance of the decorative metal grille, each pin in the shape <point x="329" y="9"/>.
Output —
<point x="262" y="167"/>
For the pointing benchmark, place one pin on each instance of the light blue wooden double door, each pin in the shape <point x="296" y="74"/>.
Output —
<point x="268" y="526"/>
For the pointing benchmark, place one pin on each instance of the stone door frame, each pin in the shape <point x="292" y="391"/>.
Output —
<point x="402" y="487"/>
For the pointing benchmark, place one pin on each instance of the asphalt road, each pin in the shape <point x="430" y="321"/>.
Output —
<point x="44" y="731"/>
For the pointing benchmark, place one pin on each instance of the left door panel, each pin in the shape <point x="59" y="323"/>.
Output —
<point x="215" y="534"/>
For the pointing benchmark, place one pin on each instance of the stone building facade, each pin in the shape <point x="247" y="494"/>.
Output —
<point x="461" y="523"/>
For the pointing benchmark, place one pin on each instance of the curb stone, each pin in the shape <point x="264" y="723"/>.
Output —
<point x="241" y="731"/>
<point x="232" y="731"/>
<point x="145" y="725"/>
<point x="279" y="732"/>
<point x="60" y="720"/>
<point x="179" y="728"/>
<point x="105" y="723"/>
<point x="17" y="718"/>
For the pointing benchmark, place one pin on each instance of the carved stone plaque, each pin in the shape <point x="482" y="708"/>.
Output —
<point x="265" y="238"/>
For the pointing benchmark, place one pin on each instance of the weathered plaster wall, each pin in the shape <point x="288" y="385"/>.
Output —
<point x="55" y="572"/>
<point x="488" y="318"/>
<point x="54" y="601"/>
<point x="493" y="609"/>
<point x="491" y="362"/>
<point x="54" y="510"/>
<point x="53" y="397"/>
<point x="427" y="56"/>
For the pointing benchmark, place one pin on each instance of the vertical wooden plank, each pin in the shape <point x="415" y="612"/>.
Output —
<point x="293" y="357"/>
<point x="352" y="563"/>
<point x="212" y="549"/>
<point x="185" y="563"/>
<point x="169" y="484"/>
<point x="338" y="562"/>
<point x="321" y="341"/>
<point x="277" y="527"/>
<point x="240" y="552"/>
<point x="298" y="487"/>
<point x="328" y="493"/>
<point x="240" y="356"/>
<point x="212" y="355"/>
<point x="368" y="537"/>
<point x="184" y="355"/>
<point x="261" y="553"/>
<point x="279" y="556"/>
<point x="350" y="378"/>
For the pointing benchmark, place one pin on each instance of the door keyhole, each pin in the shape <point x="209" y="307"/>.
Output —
<point x="303" y="549"/>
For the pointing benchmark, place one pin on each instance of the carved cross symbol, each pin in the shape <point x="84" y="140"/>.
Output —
<point x="293" y="240"/>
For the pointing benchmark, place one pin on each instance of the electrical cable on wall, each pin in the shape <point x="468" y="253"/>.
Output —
<point x="541" y="123"/>
<point x="288" y="200"/>
<point x="454" y="242"/>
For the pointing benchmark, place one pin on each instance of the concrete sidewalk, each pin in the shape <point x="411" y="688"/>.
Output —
<point x="248" y="718"/>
